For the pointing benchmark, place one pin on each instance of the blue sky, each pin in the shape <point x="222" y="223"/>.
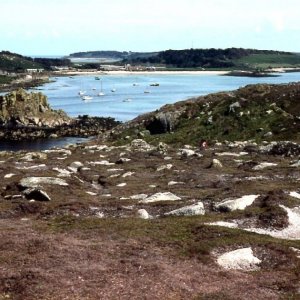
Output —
<point x="59" y="27"/>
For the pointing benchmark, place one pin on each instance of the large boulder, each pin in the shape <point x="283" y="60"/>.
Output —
<point x="190" y="210"/>
<point x="235" y="204"/>
<point x="240" y="259"/>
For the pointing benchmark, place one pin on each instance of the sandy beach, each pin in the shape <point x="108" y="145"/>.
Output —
<point x="97" y="73"/>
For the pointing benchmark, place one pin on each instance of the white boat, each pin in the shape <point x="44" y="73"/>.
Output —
<point x="81" y="93"/>
<point x="127" y="100"/>
<point x="101" y="93"/>
<point x="113" y="90"/>
<point x="86" y="98"/>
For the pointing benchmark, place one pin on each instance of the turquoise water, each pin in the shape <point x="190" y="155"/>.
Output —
<point x="129" y="101"/>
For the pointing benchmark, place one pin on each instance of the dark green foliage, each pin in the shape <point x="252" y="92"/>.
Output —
<point x="48" y="63"/>
<point x="12" y="62"/>
<point x="89" y="66"/>
<point x="206" y="58"/>
<point x="5" y="79"/>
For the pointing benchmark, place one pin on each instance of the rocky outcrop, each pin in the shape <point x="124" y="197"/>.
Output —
<point x="27" y="116"/>
<point x="162" y="122"/>
<point x="20" y="108"/>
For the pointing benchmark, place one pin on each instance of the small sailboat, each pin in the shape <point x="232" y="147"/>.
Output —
<point x="81" y="93"/>
<point x="127" y="100"/>
<point x="101" y="93"/>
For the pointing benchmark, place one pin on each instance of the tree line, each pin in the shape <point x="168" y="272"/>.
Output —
<point x="193" y="58"/>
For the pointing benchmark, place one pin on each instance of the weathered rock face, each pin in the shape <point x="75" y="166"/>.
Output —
<point x="162" y="122"/>
<point x="20" y="108"/>
<point x="28" y="116"/>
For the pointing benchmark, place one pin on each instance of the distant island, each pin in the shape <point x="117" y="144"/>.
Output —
<point x="113" y="55"/>
<point x="229" y="59"/>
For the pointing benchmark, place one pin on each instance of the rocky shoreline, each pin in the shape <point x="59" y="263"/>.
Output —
<point x="83" y="126"/>
<point x="28" y="116"/>
<point x="23" y="84"/>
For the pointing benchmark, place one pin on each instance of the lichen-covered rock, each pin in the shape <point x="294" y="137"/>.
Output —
<point x="240" y="259"/>
<point x="20" y="108"/>
<point x="167" y="196"/>
<point x="234" y="204"/>
<point x="143" y="214"/>
<point x="35" y="182"/>
<point x="140" y="145"/>
<point x="190" y="210"/>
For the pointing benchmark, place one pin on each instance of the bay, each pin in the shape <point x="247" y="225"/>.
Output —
<point x="129" y="99"/>
<point x="133" y="94"/>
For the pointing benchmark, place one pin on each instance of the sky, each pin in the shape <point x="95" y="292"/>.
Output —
<point x="61" y="27"/>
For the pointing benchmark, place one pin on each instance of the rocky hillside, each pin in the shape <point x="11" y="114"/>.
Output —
<point x="259" y="112"/>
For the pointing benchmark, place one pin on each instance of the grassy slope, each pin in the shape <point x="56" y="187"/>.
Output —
<point x="269" y="60"/>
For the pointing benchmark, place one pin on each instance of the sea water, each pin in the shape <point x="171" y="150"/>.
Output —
<point x="127" y="96"/>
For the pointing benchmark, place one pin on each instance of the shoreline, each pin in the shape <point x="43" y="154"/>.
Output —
<point x="73" y="73"/>
<point x="160" y="72"/>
